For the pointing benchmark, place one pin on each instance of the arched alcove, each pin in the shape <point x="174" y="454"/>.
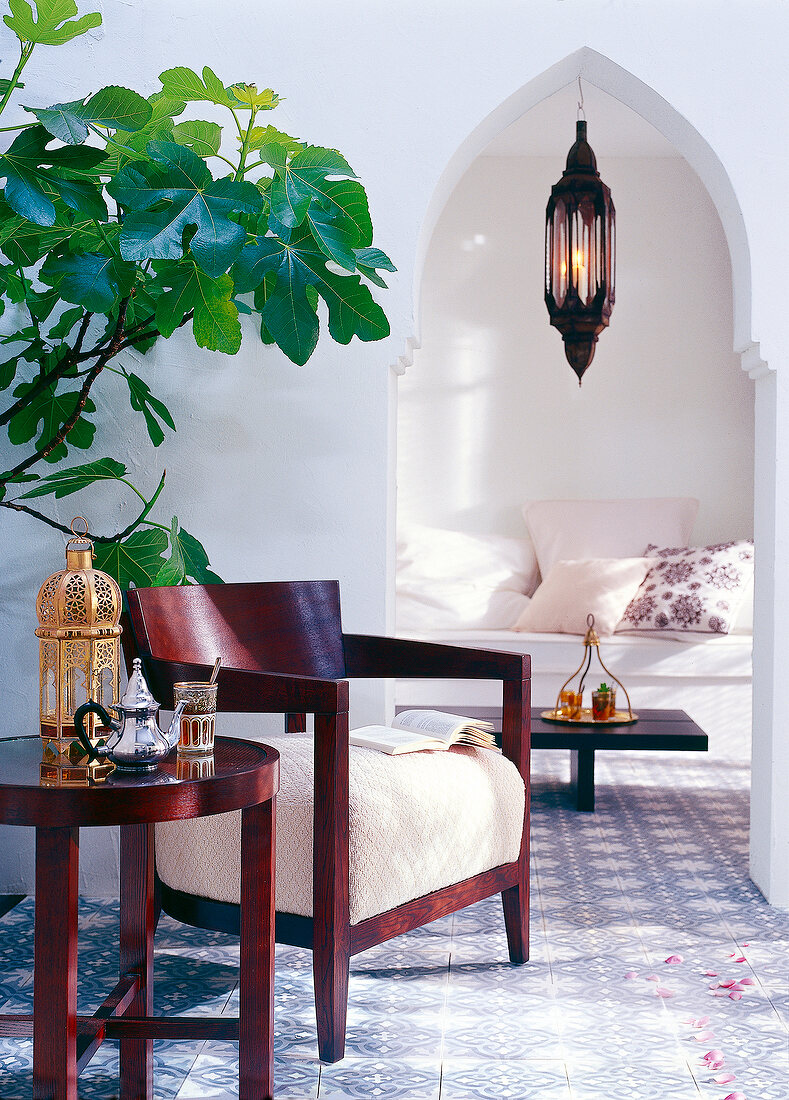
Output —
<point x="600" y="72"/>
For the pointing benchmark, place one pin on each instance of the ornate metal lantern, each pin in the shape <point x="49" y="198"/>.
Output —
<point x="79" y="653"/>
<point x="569" y="704"/>
<point x="580" y="254"/>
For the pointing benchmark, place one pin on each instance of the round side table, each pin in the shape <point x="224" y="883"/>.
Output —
<point x="245" y="777"/>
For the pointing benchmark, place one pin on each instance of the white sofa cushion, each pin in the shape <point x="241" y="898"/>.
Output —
<point x="575" y="529"/>
<point x="696" y="590"/>
<point x="572" y="590"/>
<point x="450" y="580"/>
<point x="418" y="822"/>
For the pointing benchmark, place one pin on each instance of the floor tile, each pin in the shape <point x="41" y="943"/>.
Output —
<point x="659" y="870"/>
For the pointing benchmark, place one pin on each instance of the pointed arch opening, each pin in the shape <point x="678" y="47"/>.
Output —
<point x="709" y="177"/>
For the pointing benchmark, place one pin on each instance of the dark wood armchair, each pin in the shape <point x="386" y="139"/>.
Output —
<point x="283" y="650"/>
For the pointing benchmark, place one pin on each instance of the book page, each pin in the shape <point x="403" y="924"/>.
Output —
<point x="438" y="723"/>
<point x="387" y="739"/>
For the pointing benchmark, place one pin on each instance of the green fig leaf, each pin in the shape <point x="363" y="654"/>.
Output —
<point x="54" y="25"/>
<point x="65" y="482"/>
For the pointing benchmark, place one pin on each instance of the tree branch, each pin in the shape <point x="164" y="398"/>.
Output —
<point x="114" y="345"/>
<point x="141" y="337"/>
<point x="45" y="380"/>
<point x="17" y="507"/>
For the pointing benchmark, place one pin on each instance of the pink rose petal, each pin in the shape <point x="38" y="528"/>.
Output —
<point x="728" y="983"/>
<point x="735" y="1096"/>
<point x="652" y="978"/>
<point x="721" y="993"/>
<point x="710" y="973"/>
<point x="702" y="1022"/>
<point x="672" y="960"/>
<point x="736" y="988"/>
<point x="632" y="974"/>
<point x="705" y="1036"/>
<point x="714" y="1065"/>
<point x="747" y="981"/>
<point x="746" y="945"/>
<point x="661" y="992"/>
<point x="724" y="1079"/>
<point x="735" y="996"/>
<point x="713" y="1056"/>
<point x="740" y="959"/>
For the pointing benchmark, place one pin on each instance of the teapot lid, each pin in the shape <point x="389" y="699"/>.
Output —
<point x="138" y="695"/>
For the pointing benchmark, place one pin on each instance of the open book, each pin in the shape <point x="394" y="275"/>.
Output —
<point x="413" y="730"/>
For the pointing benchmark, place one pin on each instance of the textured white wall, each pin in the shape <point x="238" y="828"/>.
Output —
<point x="301" y="484"/>
<point x="491" y="414"/>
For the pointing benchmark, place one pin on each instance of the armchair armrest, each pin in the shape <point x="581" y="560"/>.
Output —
<point x="245" y="690"/>
<point x="367" y="655"/>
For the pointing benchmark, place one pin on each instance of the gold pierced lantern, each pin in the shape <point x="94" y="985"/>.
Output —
<point x="78" y="611"/>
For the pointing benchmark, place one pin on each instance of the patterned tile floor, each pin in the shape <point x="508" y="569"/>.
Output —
<point x="659" y="870"/>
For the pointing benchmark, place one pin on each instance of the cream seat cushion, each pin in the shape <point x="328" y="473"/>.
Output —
<point x="418" y="822"/>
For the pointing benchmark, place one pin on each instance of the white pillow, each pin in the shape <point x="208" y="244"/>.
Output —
<point x="564" y="530"/>
<point x="449" y="580"/>
<point x="692" y="591"/>
<point x="573" y="589"/>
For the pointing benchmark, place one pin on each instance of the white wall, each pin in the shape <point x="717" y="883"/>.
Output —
<point x="491" y="414"/>
<point x="399" y="88"/>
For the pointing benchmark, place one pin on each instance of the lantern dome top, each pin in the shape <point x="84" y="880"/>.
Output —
<point x="581" y="156"/>
<point x="79" y="599"/>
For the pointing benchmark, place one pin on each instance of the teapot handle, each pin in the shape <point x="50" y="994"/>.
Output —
<point x="79" y="726"/>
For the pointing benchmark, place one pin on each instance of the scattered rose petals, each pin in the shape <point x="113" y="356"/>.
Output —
<point x="710" y="973"/>
<point x="724" y="1079"/>
<point x="735" y="996"/>
<point x="705" y="1036"/>
<point x="747" y="981"/>
<point x="652" y="978"/>
<point x="661" y="992"/>
<point x="632" y="974"/>
<point x="672" y="960"/>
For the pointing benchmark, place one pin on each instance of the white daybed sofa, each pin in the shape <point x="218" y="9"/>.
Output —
<point x="462" y="589"/>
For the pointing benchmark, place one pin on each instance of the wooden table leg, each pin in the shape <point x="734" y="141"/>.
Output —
<point x="582" y="777"/>
<point x="55" y="965"/>
<point x="136" y="953"/>
<point x="256" y="1008"/>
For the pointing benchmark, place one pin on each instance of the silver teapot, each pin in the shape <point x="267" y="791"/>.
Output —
<point x="136" y="743"/>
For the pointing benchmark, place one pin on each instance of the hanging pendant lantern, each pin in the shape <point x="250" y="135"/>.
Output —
<point x="580" y="254"/>
<point x="78" y="611"/>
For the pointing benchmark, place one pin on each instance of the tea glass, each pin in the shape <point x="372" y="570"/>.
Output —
<point x="198" y="719"/>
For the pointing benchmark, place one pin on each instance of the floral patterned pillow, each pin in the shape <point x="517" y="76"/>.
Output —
<point x="694" y="590"/>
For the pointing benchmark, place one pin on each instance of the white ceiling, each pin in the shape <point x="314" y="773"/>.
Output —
<point x="548" y="130"/>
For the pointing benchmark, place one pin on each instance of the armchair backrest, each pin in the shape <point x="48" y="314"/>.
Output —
<point x="274" y="626"/>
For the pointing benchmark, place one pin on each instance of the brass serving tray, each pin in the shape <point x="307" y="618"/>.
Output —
<point x="620" y="718"/>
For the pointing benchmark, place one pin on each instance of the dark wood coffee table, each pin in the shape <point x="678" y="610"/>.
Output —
<point x="246" y="778"/>
<point x="655" y="729"/>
